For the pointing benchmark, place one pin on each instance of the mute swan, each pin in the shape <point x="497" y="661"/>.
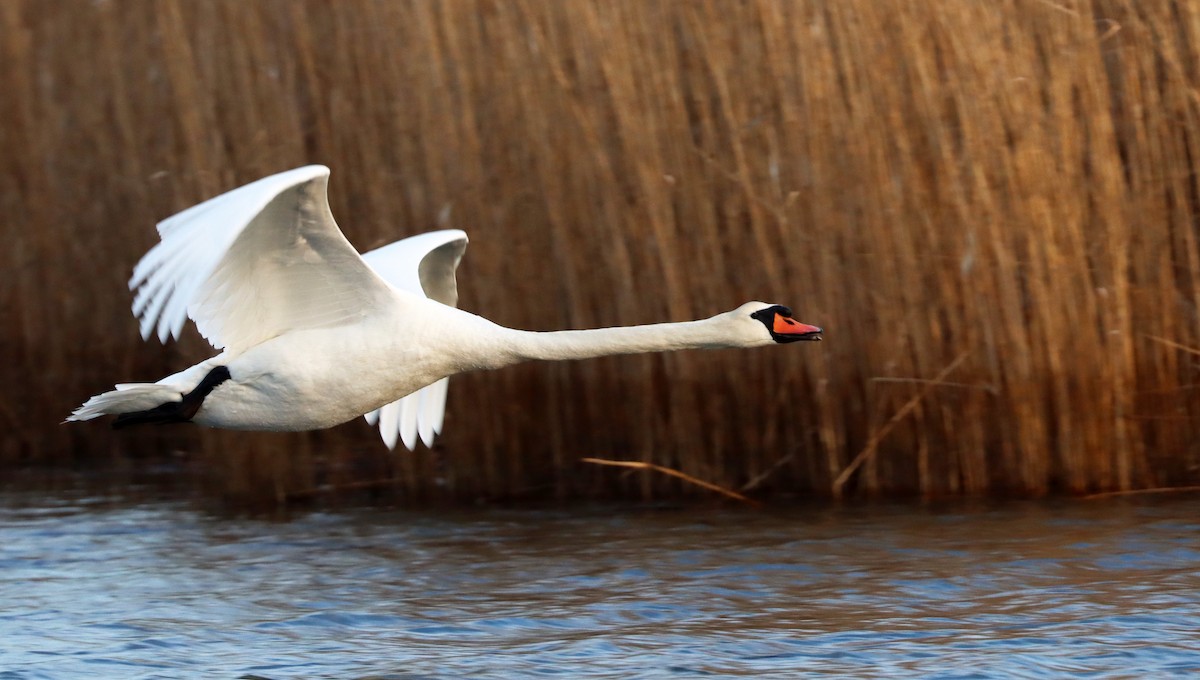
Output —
<point x="314" y="335"/>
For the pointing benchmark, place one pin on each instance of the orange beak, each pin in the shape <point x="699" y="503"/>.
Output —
<point x="791" y="329"/>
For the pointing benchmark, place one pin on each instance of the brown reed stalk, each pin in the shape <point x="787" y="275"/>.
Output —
<point x="639" y="465"/>
<point x="876" y="437"/>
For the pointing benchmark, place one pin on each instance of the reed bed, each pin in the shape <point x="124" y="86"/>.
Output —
<point x="991" y="207"/>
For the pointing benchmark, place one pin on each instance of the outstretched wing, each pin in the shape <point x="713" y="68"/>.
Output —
<point x="425" y="265"/>
<point x="254" y="263"/>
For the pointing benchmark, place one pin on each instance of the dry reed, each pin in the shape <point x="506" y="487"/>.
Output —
<point x="1014" y="180"/>
<point x="639" y="465"/>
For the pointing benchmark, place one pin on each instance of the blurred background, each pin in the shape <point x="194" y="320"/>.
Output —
<point x="990" y="207"/>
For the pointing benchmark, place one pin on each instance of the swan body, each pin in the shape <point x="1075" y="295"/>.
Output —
<point x="313" y="334"/>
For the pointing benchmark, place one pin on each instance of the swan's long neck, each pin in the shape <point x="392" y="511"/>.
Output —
<point x="598" y="342"/>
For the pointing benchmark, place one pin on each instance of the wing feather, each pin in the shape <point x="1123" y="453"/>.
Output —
<point x="408" y="420"/>
<point x="254" y="263"/>
<point x="388" y="419"/>
<point x="432" y="410"/>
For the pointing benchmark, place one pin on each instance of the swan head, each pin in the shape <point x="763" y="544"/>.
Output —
<point x="766" y="323"/>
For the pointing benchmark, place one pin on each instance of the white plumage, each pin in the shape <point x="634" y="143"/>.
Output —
<point x="313" y="334"/>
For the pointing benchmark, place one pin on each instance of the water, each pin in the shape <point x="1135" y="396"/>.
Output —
<point x="93" y="589"/>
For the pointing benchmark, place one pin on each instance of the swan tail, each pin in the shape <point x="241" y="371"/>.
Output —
<point x="150" y="403"/>
<point x="127" y="401"/>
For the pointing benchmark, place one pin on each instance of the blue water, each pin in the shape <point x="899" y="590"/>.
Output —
<point x="97" y="589"/>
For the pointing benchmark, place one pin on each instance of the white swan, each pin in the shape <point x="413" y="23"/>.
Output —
<point x="315" y="335"/>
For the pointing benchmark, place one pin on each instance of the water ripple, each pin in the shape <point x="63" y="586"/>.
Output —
<point x="1023" y="591"/>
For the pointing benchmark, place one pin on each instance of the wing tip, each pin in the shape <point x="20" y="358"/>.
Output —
<point x="309" y="171"/>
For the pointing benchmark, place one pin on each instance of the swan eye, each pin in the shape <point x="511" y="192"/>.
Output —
<point x="767" y="315"/>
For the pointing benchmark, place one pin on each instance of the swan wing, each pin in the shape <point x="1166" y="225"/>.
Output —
<point x="254" y="263"/>
<point x="424" y="264"/>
